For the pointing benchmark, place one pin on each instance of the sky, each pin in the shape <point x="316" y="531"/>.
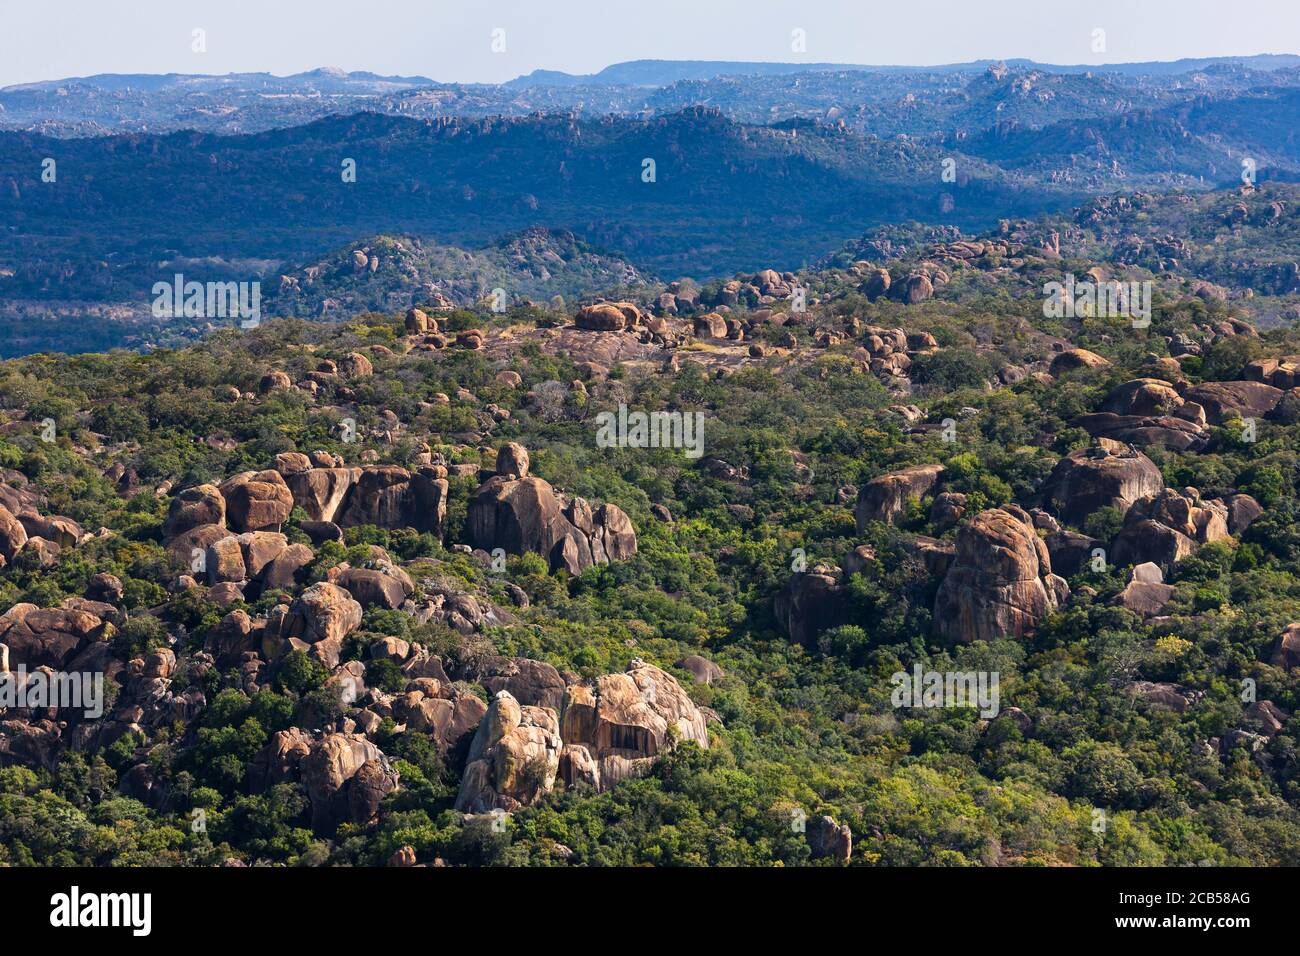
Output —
<point x="452" y="40"/>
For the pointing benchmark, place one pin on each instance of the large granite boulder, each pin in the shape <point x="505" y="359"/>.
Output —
<point x="885" y="497"/>
<point x="524" y="513"/>
<point x="1146" y="594"/>
<point x="13" y="536"/>
<point x="828" y="839"/>
<point x="615" y="729"/>
<point x="1242" y="511"/>
<point x="1143" y="396"/>
<point x="1225" y="400"/>
<point x="1070" y="360"/>
<point x="530" y="682"/>
<point x="811" y="602"/>
<point x="1001" y="581"/>
<point x="256" y="501"/>
<point x="1093" y="478"/>
<point x="47" y="638"/>
<point x="320" y="492"/>
<point x="449" y="716"/>
<point x="193" y="507"/>
<point x="61" y="531"/>
<point x="389" y="496"/>
<point x="1166" y="527"/>
<point x="602" y="317"/>
<point x="323" y="615"/>
<point x="513" y="758"/>
<point x="1182" y="431"/>
<point x="372" y="587"/>
<point x="1286" y="652"/>
<point x="345" y="775"/>
<point x="1070" y="551"/>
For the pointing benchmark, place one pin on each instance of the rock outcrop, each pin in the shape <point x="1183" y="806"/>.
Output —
<point x="522" y="514"/>
<point x="346" y="777"/>
<point x="321" y="616"/>
<point x="1001" y="581"/>
<point x="615" y="730"/>
<point x="811" y="602"/>
<point x="51" y="637"/>
<point x="256" y="501"/>
<point x="885" y="497"/>
<point x="1225" y="400"/>
<point x="602" y="734"/>
<point x="1099" y="477"/>
<point x="1168" y="526"/>
<point x="513" y="758"/>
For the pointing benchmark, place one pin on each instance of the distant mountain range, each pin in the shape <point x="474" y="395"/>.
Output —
<point x="664" y="72"/>
<point x="701" y="177"/>
<point x="881" y="100"/>
<point x="323" y="80"/>
<point x="651" y="73"/>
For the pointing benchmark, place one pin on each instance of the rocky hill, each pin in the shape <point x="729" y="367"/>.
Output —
<point x="390" y="273"/>
<point x="631" y="580"/>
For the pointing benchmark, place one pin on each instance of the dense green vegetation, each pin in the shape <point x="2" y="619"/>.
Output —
<point x="809" y="727"/>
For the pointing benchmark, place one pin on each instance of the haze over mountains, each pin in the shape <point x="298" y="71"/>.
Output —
<point x="754" y="165"/>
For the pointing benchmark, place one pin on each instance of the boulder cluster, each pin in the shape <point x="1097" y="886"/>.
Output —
<point x="518" y="513"/>
<point x="23" y="529"/>
<point x="600" y="734"/>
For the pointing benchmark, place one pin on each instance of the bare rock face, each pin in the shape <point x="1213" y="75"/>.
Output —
<point x="346" y="776"/>
<point x="355" y="365"/>
<point x="1168" y="526"/>
<point x="13" y="536"/>
<point x="1225" y="400"/>
<point x="513" y="758"/>
<point x="1143" y="396"/>
<point x="225" y="561"/>
<point x="1001" y="581"/>
<point x="419" y="322"/>
<point x="1070" y="551"/>
<point x="1286" y="653"/>
<point x="616" y="729"/>
<point x="1146" y="593"/>
<point x="530" y="682"/>
<point x="811" y="602"/>
<point x="826" y="838"/>
<point x="1183" y="430"/>
<point x="274" y="381"/>
<point x="521" y="514"/>
<point x="1093" y="478"/>
<point x="885" y="497"/>
<point x="876" y="284"/>
<point x="194" y="507"/>
<point x="711" y="325"/>
<point x="389" y="496"/>
<point x="372" y="587"/>
<point x="106" y="588"/>
<point x="47" y="638"/>
<point x="512" y="459"/>
<point x="256" y="501"/>
<point x="320" y="492"/>
<point x="323" y="614"/>
<point x="603" y="317"/>
<point x="1242" y="511"/>
<point x="450" y="717"/>
<point x="61" y="531"/>
<point x="915" y="288"/>
<point x="280" y="761"/>
<point x="1072" y="359"/>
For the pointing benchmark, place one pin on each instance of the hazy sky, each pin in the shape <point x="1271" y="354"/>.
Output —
<point x="452" y="39"/>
